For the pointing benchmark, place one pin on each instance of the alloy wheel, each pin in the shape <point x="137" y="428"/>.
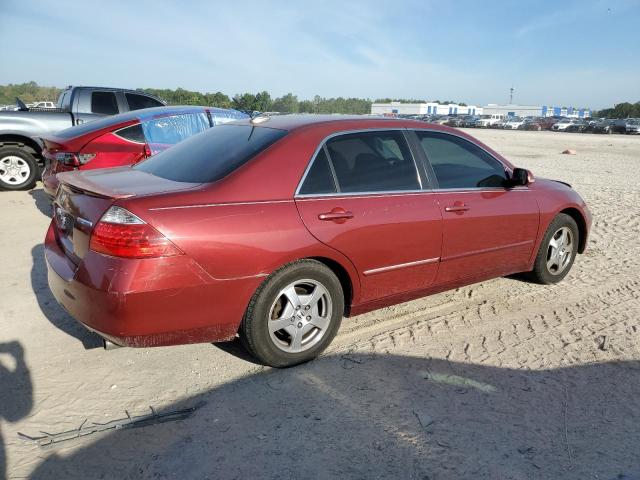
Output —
<point x="560" y="251"/>
<point x="300" y="316"/>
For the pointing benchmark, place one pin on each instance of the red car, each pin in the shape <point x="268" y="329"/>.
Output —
<point x="273" y="229"/>
<point x="125" y="139"/>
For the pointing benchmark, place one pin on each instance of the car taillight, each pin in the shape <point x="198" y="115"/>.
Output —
<point x="120" y="233"/>
<point x="74" y="159"/>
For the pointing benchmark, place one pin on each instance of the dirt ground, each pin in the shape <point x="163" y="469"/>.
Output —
<point x="502" y="379"/>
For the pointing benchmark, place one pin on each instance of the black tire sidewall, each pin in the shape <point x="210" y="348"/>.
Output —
<point x="541" y="271"/>
<point x="254" y="332"/>
<point x="27" y="157"/>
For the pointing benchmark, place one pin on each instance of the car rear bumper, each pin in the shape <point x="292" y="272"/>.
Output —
<point x="147" y="302"/>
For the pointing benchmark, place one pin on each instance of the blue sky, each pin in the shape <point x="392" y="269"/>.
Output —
<point x="580" y="53"/>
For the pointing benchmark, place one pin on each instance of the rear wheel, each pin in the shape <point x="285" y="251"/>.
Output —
<point x="557" y="252"/>
<point x="294" y="314"/>
<point x="18" y="169"/>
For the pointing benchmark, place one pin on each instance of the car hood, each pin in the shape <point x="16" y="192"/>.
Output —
<point x="123" y="182"/>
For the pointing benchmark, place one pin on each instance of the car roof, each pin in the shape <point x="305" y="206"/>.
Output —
<point x="298" y="121"/>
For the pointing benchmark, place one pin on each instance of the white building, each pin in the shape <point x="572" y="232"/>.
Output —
<point x="429" y="108"/>
<point x="512" y="110"/>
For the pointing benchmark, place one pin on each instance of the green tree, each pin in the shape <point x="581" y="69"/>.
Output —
<point x="286" y="104"/>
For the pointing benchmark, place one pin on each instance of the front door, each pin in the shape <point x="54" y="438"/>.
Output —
<point x="487" y="227"/>
<point x="363" y="196"/>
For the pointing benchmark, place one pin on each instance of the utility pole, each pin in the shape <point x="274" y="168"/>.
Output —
<point x="511" y="90"/>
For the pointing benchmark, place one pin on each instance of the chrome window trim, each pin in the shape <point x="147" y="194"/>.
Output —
<point x="323" y="143"/>
<point x="394" y="193"/>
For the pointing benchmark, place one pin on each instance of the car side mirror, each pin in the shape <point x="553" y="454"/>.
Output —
<point x="521" y="177"/>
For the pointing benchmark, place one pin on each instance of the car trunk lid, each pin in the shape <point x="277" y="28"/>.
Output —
<point x="84" y="196"/>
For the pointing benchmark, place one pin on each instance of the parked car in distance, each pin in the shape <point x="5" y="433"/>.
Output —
<point x="20" y="149"/>
<point x="43" y="104"/>
<point x="489" y="120"/>
<point x="274" y="229"/>
<point x="540" y="123"/>
<point x="633" y="127"/>
<point x="578" y="125"/>
<point x="602" y="126"/>
<point x="562" y="124"/>
<point x="440" y="120"/>
<point x="619" y="125"/>
<point x="513" y="123"/>
<point x="126" y="139"/>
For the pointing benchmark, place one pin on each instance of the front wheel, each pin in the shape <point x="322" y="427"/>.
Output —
<point x="557" y="252"/>
<point x="18" y="169"/>
<point x="294" y="314"/>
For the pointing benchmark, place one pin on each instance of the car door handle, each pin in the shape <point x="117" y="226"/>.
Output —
<point x="336" y="215"/>
<point x="457" y="208"/>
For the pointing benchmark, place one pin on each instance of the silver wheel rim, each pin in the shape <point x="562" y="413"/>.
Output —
<point x="300" y="316"/>
<point x="14" y="170"/>
<point x="560" y="251"/>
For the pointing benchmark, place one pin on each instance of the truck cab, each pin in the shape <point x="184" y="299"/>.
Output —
<point x="20" y="131"/>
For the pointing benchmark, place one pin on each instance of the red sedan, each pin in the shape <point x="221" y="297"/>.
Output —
<point x="273" y="229"/>
<point x="125" y="139"/>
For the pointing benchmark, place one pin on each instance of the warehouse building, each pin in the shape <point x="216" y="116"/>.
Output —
<point x="512" y="110"/>
<point x="429" y="108"/>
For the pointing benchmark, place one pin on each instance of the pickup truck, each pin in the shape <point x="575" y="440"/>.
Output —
<point x="20" y="131"/>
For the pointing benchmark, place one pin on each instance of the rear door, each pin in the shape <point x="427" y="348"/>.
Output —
<point x="487" y="227"/>
<point x="363" y="195"/>
<point x="94" y="104"/>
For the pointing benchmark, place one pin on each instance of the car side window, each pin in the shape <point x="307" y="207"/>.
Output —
<point x="104" y="103"/>
<point x="138" y="102"/>
<point x="458" y="163"/>
<point x="319" y="178"/>
<point x="372" y="162"/>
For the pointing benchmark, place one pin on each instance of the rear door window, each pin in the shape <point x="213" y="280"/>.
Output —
<point x="373" y="162"/>
<point x="212" y="155"/>
<point x="104" y="103"/>
<point x="137" y="102"/>
<point x="458" y="163"/>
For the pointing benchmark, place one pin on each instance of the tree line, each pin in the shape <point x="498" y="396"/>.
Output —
<point x="621" y="110"/>
<point x="261" y="101"/>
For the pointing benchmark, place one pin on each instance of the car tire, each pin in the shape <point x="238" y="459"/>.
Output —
<point x="557" y="252"/>
<point x="306" y="299"/>
<point x="18" y="168"/>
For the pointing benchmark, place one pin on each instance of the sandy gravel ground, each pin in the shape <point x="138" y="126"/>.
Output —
<point x="501" y="379"/>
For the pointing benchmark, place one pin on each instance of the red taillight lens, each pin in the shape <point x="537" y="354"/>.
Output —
<point x="130" y="239"/>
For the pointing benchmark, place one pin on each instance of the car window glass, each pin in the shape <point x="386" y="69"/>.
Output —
<point x="319" y="178"/>
<point x="213" y="154"/>
<point x="133" y="133"/>
<point x="373" y="162"/>
<point x="104" y="103"/>
<point x="162" y="132"/>
<point x="458" y="163"/>
<point x="137" y="102"/>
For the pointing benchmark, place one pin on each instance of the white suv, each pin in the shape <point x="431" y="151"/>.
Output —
<point x="489" y="120"/>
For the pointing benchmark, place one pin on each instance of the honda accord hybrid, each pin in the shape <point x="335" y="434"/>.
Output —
<point x="273" y="229"/>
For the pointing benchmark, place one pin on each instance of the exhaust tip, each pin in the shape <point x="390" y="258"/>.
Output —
<point x="109" y="345"/>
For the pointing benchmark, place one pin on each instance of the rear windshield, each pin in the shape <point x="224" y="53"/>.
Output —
<point x="211" y="155"/>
